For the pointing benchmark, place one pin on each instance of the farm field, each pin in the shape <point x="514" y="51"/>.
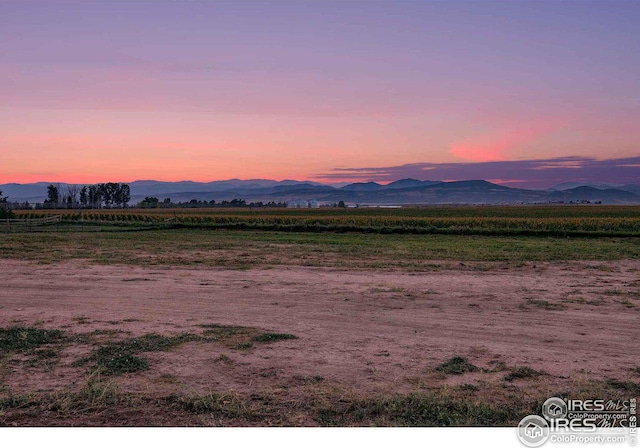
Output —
<point x="202" y="324"/>
<point x="480" y="220"/>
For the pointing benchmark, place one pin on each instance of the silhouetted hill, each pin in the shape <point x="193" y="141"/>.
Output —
<point x="404" y="191"/>
<point x="633" y="188"/>
<point x="25" y="192"/>
<point x="571" y="185"/>
<point x="363" y="186"/>
<point x="608" y="196"/>
<point x="405" y="183"/>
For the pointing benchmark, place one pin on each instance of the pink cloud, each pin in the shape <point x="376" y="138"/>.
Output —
<point x="491" y="147"/>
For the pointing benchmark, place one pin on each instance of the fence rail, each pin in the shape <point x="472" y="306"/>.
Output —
<point x="29" y="224"/>
<point x="60" y="223"/>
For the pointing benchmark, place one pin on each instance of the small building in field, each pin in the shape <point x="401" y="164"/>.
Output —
<point x="301" y="203"/>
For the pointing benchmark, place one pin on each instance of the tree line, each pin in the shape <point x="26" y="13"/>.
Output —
<point x="108" y="195"/>
<point x="153" y="202"/>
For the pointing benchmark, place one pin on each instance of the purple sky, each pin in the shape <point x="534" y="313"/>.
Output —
<point x="94" y="91"/>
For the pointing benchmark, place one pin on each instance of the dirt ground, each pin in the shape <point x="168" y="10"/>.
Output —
<point x="369" y="330"/>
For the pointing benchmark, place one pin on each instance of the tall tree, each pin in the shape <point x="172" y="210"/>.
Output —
<point x="95" y="196"/>
<point x="125" y="194"/>
<point x="71" y="194"/>
<point x="122" y="195"/>
<point x="109" y="193"/>
<point x="106" y="194"/>
<point x="4" y="211"/>
<point x="84" y="196"/>
<point x="53" y="194"/>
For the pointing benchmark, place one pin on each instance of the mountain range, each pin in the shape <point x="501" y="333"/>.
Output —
<point x="404" y="191"/>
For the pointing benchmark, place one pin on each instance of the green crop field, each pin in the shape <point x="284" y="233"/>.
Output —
<point x="473" y="220"/>
<point x="349" y="238"/>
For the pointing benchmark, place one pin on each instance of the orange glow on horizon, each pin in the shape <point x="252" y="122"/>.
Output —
<point x="492" y="147"/>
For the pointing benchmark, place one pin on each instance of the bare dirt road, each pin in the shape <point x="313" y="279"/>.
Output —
<point x="372" y="331"/>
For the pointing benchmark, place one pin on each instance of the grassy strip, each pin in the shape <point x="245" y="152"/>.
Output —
<point x="408" y="230"/>
<point x="463" y="226"/>
<point x="419" y="409"/>
<point x="435" y="211"/>
<point x="227" y="248"/>
<point x="99" y="398"/>
<point x="497" y="229"/>
<point x="101" y="402"/>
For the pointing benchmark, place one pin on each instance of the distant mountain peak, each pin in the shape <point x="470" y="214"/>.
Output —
<point x="363" y="186"/>
<point x="409" y="182"/>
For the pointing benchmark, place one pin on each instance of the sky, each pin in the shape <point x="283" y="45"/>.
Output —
<point x="523" y="92"/>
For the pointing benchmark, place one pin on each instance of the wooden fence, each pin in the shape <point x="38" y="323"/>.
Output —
<point x="61" y="223"/>
<point x="30" y="224"/>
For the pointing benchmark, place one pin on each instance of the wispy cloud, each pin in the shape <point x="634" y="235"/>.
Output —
<point x="493" y="146"/>
<point x="522" y="173"/>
